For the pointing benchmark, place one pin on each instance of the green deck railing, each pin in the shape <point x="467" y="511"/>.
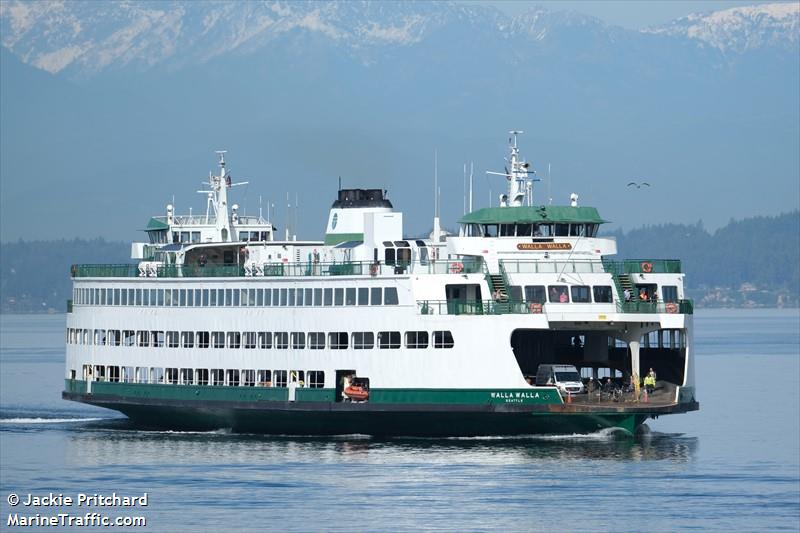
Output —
<point x="354" y="268"/>
<point x="490" y="307"/>
<point x="643" y="266"/>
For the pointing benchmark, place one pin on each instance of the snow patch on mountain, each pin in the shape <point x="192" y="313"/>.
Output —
<point x="740" y="29"/>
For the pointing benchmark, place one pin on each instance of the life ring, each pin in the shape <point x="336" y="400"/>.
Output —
<point x="671" y="307"/>
<point x="356" y="392"/>
<point x="647" y="267"/>
<point x="373" y="270"/>
<point x="456" y="268"/>
<point x="535" y="307"/>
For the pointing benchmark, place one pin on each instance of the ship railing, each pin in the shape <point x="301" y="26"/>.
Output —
<point x="643" y="266"/>
<point x="492" y="307"/>
<point x="578" y="266"/>
<point x="147" y="269"/>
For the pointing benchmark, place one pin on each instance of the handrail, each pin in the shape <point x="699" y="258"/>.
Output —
<point x="354" y="268"/>
<point x="491" y="307"/>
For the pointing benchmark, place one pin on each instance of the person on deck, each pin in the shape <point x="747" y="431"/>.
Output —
<point x="650" y="382"/>
<point x="627" y="294"/>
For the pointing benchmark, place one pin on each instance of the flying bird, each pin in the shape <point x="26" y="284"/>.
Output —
<point x="639" y="185"/>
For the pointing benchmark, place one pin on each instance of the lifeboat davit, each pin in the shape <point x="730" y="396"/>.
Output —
<point x="356" y="392"/>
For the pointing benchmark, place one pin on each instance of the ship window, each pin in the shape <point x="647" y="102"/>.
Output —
<point x="156" y="375"/>
<point x="390" y="296"/>
<point x="337" y="340"/>
<point x="267" y="297"/>
<point x="298" y="340"/>
<point x="233" y="377"/>
<point x="127" y="374"/>
<point x="203" y="338"/>
<point x="591" y="229"/>
<point x="99" y="373"/>
<point x="265" y="340"/>
<point x="309" y="297"/>
<point x="284" y="297"/>
<point x="234" y="339"/>
<point x="172" y="339"/>
<point x="350" y="296"/>
<point x="249" y="340"/>
<point x="403" y="256"/>
<point x="248" y="378"/>
<point x="142" y="374"/>
<point x="580" y="294"/>
<point x="490" y="230"/>
<point x="161" y="297"/>
<point x="316" y="379"/>
<point x="113" y="374"/>
<point x="317" y="297"/>
<point x="175" y="297"/>
<point x="562" y="230"/>
<point x="602" y="294"/>
<point x="202" y="376"/>
<point x="281" y="340"/>
<point x="338" y="296"/>
<point x="291" y="297"/>
<point x="195" y="236"/>
<point x="524" y="230"/>
<point x="187" y="376"/>
<point x="99" y="337"/>
<point x="168" y="298"/>
<point x="265" y="378"/>
<point x="389" y="340"/>
<point x="543" y="230"/>
<point x="217" y="376"/>
<point x="299" y="297"/>
<point x="103" y="297"/>
<point x="87" y="336"/>
<point x="280" y="378"/>
<point x="228" y="297"/>
<point x="114" y="337"/>
<point x="558" y="293"/>
<point x="376" y="294"/>
<point x="187" y="339"/>
<point x="115" y="298"/>
<point x="127" y="297"/>
<point x="389" y="256"/>
<point x="442" y="339"/>
<point x="328" y="297"/>
<point x="143" y="338"/>
<point x="416" y="339"/>
<point x="158" y="339"/>
<point x="218" y="339"/>
<point x="151" y="299"/>
<point x="276" y="297"/>
<point x="506" y="230"/>
<point x="515" y="293"/>
<point x="669" y="293"/>
<point x="534" y="294"/>
<point x="298" y="376"/>
<point x="316" y="340"/>
<point x="363" y="296"/>
<point x="259" y="297"/>
<point x="172" y="376"/>
<point x="128" y="337"/>
<point x="363" y="340"/>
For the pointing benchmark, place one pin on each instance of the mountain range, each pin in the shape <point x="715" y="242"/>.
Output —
<point x="108" y="110"/>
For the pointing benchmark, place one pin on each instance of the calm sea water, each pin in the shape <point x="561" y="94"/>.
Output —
<point x="734" y="465"/>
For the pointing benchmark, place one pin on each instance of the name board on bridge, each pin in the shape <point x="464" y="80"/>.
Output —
<point x="544" y="246"/>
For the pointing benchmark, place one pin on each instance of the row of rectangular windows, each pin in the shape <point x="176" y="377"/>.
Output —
<point x="262" y="340"/>
<point x="288" y="297"/>
<point x="204" y="376"/>
<point x="579" y="293"/>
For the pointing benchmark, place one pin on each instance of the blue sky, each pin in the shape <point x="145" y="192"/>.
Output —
<point x="633" y="14"/>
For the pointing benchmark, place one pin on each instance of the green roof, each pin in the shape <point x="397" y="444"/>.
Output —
<point x="155" y="225"/>
<point x="527" y="215"/>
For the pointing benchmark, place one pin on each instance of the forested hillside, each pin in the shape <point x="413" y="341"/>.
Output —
<point x="752" y="262"/>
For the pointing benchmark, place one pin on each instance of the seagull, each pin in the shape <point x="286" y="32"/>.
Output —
<point x="639" y="185"/>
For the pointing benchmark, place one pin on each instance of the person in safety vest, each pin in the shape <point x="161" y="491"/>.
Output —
<point x="650" y="382"/>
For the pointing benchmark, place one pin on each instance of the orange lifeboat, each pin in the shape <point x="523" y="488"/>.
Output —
<point x="357" y="393"/>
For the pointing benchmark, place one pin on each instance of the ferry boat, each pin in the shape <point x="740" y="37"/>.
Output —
<point x="220" y="324"/>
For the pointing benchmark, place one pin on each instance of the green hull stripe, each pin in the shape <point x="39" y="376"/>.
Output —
<point x="332" y="239"/>
<point x="540" y="396"/>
